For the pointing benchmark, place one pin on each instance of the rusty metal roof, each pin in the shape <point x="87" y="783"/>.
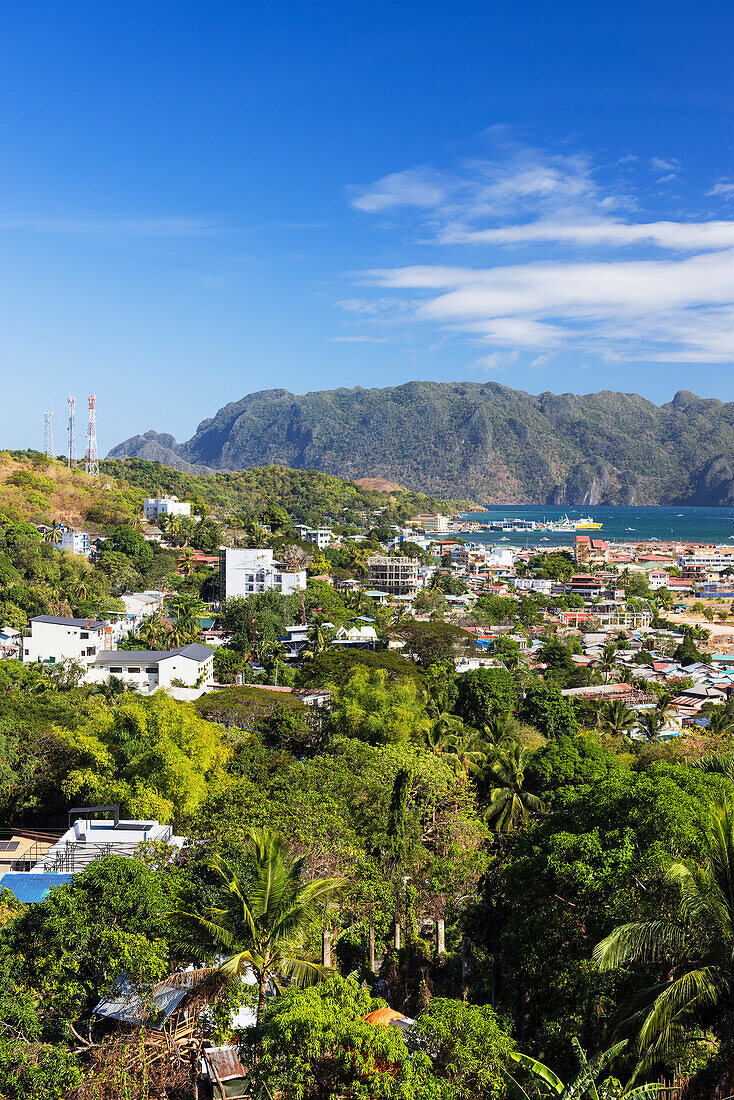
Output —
<point x="226" y="1062"/>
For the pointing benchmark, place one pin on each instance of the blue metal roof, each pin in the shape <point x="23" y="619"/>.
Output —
<point x="29" y="888"/>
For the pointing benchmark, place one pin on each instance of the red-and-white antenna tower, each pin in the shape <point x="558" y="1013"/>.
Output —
<point x="92" y="463"/>
<point x="71" y="443"/>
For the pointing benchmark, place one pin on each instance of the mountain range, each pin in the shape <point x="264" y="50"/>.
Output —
<point x="478" y="441"/>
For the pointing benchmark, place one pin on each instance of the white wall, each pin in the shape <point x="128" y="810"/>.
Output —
<point x="247" y="572"/>
<point x="51" y="640"/>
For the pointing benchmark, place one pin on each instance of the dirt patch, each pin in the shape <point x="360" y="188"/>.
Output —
<point x="378" y="485"/>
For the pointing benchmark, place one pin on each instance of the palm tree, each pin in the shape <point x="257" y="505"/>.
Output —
<point x="651" y="723"/>
<point x="694" y="951"/>
<point x="509" y="804"/>
<point x="53" y="535"/>
<point x="720" y="721"/>
<point x="261" y="927"/>
<point x="618" y="718"/>
<point x="318" y="639"/>
<point x="79" y="585"/>
<point x="466" y="753"/>
<point x="606" y="664"/>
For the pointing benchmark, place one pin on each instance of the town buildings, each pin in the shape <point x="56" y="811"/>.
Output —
<point x="321" y="536"/>
<point x="190" y="666"/>
<point x="247" y="572"/>
<point x="397" y="576"/>
<point x="54" y="638"/>
<point x="155" y="507"/>
<point x="77" y="542"/>
<point x="431" y="523"/>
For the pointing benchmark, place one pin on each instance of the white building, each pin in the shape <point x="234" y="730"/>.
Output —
<point x="139" y="605"/>
<point x="54" y="638"/>
<point x="165" y="506"/>
<point x="321" y="536"/>
<point x="89" y="838"/>
<point x="77" y="542"/>
<point x="191" y="666"/>
<point x="247" y="572"/>
<point x="533" y="584"/>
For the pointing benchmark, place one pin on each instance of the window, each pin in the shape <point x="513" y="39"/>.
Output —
<point x="91" y="651"/>
<point x="133" y="668"/>
<point x="152" y="669"/>
<point x="115" y="668"/>
<point x="84" y="634"/>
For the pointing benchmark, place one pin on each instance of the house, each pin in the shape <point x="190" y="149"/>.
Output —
<point x="52" y="861"/>
<point x="10" y="641"/>
<point x="54" y="638"/>
<point x="140" y="605"/>
<point x="154" y="507"/>
<point x="20" y="851"/>
<point x="77" y="542"/>
<point x="321" y="536"/>
<point x="359" y="634"/>
<point x="190" y="666"/>
<point x="591" y="551"/>
<point x="397" y="576"/>
<point x="247" y="572"/>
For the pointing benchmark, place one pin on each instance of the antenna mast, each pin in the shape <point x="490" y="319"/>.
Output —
<point x="48" y="433"/>
<point x="92" y="463"/>
<point x="71" y="454"/>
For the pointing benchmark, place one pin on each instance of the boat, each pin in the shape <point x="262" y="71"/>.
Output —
<point x="568" y="526"/>
<point x="629" y="528"/>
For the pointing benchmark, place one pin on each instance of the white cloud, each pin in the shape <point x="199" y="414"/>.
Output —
<point x="723" y="187"/>
<point x="495" y="362"/>
<point x="671" y="300"/>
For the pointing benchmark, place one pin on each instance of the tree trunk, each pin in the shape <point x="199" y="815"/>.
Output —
<point x="261" y="990"/>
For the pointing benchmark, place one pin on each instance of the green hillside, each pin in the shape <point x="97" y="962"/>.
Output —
<point x="483" y="441"/>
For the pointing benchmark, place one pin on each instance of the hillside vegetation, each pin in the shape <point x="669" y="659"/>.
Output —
<point x="483" y="441"/>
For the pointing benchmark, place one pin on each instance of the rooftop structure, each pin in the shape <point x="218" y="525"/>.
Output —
<point x="397" y="576"/>
<point x="247" y="572"/>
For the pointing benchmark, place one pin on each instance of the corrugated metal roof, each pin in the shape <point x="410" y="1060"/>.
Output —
<point x="225" y="1061"/>
<point x="31" y="888"/>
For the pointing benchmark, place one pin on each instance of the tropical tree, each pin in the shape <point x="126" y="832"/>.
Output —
<point x="509" y="804"/>
<point x="693" y="953"/>
<point x="650" y="724"/>
<point x="53" y="535"/>
<point x="606" y="663"/>
<point x="261" y="925"/>
<point x="584" y="1083"/>
<point x="618" y="719"/>
<point x="720" y="721"/>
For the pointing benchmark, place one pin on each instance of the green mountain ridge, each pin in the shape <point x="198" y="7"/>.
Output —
<point x="481" y="441"/>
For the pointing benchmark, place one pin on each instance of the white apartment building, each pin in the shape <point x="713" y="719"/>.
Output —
<point x="321" y="536"/>
<point x="77" y="542"/>
<point x="191" y="666"/>
<point x="247" y="572"/>
<point x="703" y="561"/>
<point x="165" y="506"/>
<point x="397" y="576"/>
<point x="54" y="638"/>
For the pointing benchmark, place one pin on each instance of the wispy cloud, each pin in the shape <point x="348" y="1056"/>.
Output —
<point x="133" y="227"/>
<point x="669" y="167"/>
<point x="670" y="297"/>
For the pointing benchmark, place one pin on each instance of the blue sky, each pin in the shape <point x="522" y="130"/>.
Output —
<point x="202" y="200"/>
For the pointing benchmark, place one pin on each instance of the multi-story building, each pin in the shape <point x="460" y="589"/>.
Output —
<point x="432" y="523"/>
<point x="591" y="551"/>
<point x="711" y="559"/>
<point x="54" y="638"/>
<point x="77" y="542"/>
<point x="189" y="666"/>
<point x="165" y="506"/>
<point x="247" y="572"/>
<point x="321" y="536"/>
<point x="398" y="576"/>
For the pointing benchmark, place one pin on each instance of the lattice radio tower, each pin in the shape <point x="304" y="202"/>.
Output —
<point x="71" y="443"/>
<point x="48" y="433"/>
<point x="92" y="463"/>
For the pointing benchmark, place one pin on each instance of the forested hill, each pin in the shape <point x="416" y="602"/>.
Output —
<point x="479" y="441"/>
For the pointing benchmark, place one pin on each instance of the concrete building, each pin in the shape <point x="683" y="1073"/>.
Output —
<point x="77" y="542"/>
<point x="54" y="638"/>
<point x="704" y="560"/>
<point x="431" y="523"/>
<point x="190" y="666"/>
<point x="247" y="572"/>
<point x="321" y="536"/>
<point x="165" y="506"/>
<point x="397" y="576"/>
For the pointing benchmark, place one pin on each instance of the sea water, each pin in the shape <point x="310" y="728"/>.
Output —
<point x="620" y="524"/>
